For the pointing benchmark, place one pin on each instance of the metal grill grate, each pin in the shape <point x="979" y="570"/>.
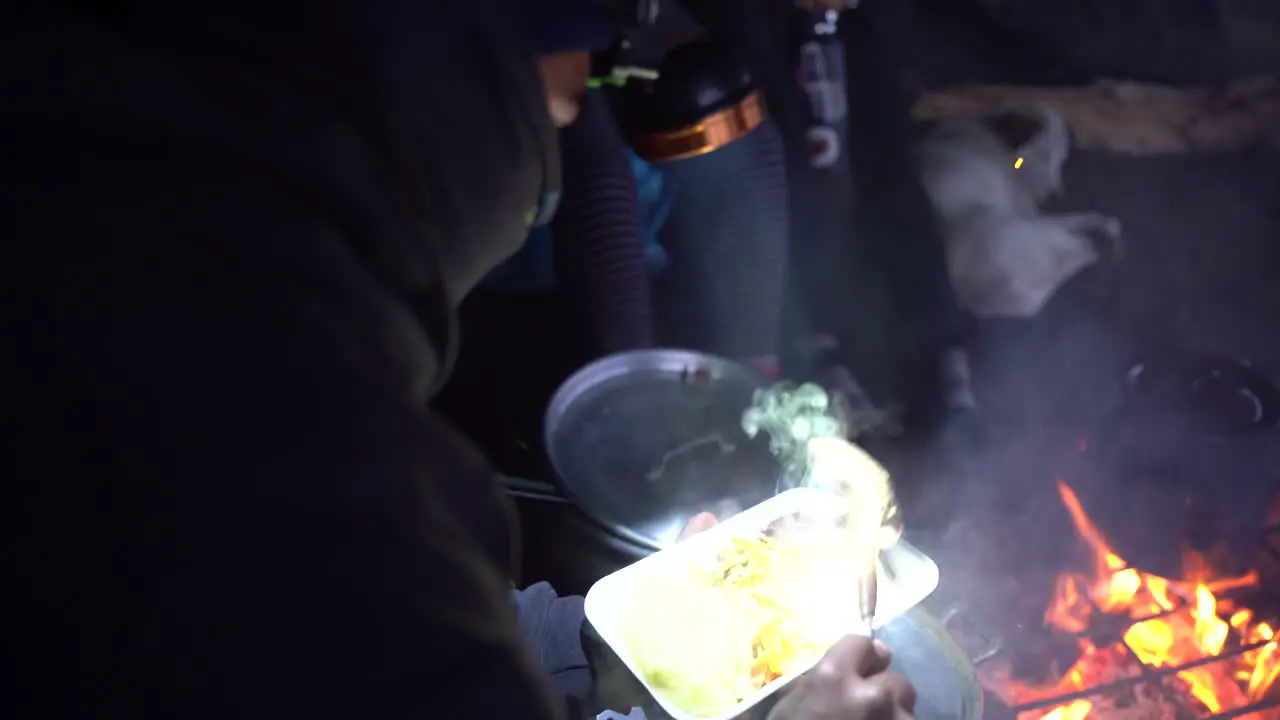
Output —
<point x="1153" y="677"/>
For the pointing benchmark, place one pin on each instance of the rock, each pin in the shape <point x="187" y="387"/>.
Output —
<point x="1134" y="118"/>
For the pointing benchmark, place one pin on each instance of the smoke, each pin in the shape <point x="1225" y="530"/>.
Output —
<point x="792" y="415"/>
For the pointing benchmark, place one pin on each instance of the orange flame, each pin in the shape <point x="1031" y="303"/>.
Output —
<point x="1178" y="622"/>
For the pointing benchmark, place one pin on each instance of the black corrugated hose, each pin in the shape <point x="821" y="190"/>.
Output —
<point x="727" y="239"/>
<point x="598" y="236"/>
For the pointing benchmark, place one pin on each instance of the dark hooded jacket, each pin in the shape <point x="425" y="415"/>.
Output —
<point x="238" y="232"/>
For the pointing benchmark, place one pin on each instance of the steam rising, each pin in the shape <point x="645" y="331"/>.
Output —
<point x="793" y="415"/>
<point x="796" y="416"/>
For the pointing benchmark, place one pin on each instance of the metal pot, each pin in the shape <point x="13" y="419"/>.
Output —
<point x="1188" y="459"/>
<point x="943" y="674"/>
<point x="561" y="544"/>
<point x="640" y="442"/>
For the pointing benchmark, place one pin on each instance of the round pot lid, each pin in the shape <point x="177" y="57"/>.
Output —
<point x="644" y="440"/>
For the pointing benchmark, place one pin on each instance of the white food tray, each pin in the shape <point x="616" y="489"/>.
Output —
<point x="914" y="577"/>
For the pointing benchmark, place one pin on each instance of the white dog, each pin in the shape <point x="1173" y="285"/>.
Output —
<point x="987" y="181"/>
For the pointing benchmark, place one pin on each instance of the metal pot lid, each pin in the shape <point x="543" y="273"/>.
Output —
<point x="1207" y="395"/>
<point x="641" y="441"/>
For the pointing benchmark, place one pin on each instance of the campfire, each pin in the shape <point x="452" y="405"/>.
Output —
<point x="1148" y="647"/>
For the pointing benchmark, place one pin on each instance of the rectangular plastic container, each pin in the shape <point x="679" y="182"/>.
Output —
<point x="912" y="578"/>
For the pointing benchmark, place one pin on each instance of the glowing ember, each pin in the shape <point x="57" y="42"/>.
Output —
<point x="1175" y="624"/>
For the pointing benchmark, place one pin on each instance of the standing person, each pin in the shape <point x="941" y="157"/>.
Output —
<point x="897" y="226"/>
<point x="239" y="233"/>
<point x="878" y="285"/>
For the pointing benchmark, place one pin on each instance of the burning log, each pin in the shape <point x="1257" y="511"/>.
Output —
<point x="1134" y="118"/>
<point x="1267" y="557"/>
<point x="1183" y="647"/>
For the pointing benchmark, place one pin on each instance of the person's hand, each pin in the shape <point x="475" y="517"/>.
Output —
<point x="851" y="682"/>
<point x="697" y="523"/>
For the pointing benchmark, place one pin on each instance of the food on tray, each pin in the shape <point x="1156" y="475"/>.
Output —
<point x="708" y="635"/>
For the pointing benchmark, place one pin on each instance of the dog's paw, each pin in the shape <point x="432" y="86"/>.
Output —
<point x="1113" y="231"/>
<point x="1111" y="227"/>
<point x="1115" y="235"/>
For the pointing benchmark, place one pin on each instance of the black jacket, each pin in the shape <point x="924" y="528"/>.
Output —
<point x="237" y="232"/>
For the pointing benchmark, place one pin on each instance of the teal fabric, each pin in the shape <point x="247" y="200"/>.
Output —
<point x="533" y="268"/>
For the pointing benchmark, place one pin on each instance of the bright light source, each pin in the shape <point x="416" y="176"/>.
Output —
<point x="1017" y="164"/>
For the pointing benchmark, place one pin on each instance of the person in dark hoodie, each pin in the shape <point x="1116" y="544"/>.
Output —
<point x="239" y="233"/>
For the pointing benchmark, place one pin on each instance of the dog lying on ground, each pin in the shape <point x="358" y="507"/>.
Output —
<point x="987" y="177"/>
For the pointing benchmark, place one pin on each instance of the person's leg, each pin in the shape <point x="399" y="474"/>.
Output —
<point x="930" y="328"/>
<point x="840" y="310"/>
<point x="727" y="238"/>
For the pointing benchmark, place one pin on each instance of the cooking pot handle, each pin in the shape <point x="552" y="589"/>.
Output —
<point x="958" y="617"/>
<point x="532" y="489"/>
